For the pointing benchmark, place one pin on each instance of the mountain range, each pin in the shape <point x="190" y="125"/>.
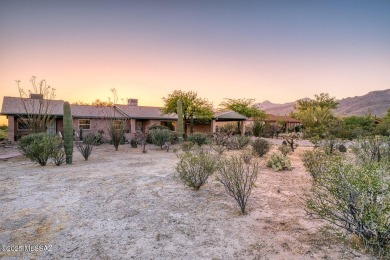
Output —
<point x="376" y="103"/>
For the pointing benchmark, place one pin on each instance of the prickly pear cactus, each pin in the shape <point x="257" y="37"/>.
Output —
<point x="179" y="121"/>
<point x="68" y="133"/>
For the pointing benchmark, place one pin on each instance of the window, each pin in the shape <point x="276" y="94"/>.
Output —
<point x="22" y="124"/>
<point x="138" y="126"/>
<point x="51" y="129"/>
<point x="85" y="124"/>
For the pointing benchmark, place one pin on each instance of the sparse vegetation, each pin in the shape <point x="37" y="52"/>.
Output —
<point x="291" y="140"/>
<point x="161" y="136"/>
<point x="85" y="147"/>
<point x="354" y="195"/>
<point x="284" y="149"/>
<point x="279" y="162"/>
<point x="3" y="132"/>
<point x="39" y="147"/>
<point x="238" y="178"/>
<point x="195" y="167"/>
<point x="198" y="138"/>
<point x="260" y="147"/>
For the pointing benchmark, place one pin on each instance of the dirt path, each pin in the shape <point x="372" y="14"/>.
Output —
<point x="129" y="205"/>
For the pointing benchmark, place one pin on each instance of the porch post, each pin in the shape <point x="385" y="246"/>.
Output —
<point x="11" y="129"/>
<point x="242" y="128"/>
<point x="213" y="126"/>
<point x="132" y="126"/>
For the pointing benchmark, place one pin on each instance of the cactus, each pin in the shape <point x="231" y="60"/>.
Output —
<point x="68" y="133"/>
<point x="179" y="121"/>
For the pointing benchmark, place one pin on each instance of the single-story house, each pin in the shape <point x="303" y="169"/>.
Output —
<point x="286" y="122"/>
<point x="94" y="119"/>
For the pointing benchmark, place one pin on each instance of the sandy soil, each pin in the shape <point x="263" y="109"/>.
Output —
<point x="129" y="205"/>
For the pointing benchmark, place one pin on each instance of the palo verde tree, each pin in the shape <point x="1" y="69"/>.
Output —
<point x="244" y="107"/>
<point x="38" y="105"/>
<point x="316" y="114"/>
<point x="192" y="107"/>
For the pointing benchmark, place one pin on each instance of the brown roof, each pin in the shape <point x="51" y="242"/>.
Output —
<point x="144" y="112"/>
<point x="14" y="106"/>
<point x="273" y="118"/>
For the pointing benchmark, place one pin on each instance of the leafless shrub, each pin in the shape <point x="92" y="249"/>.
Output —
<point x="238" y="178"/>
<point x="85" y="147"/>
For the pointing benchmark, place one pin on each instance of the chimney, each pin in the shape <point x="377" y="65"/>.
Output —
<point x="132" y="102"/>
<point x="36" y="96"/>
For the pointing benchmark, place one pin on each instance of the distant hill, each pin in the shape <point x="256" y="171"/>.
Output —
<point x="375" y="102"/>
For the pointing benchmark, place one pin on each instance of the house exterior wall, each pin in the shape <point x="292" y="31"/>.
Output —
<point x="200" y="128"/>
<point x="11" y="128"/>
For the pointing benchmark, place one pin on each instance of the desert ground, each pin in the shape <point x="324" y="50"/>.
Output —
<point x="130" y="205"/>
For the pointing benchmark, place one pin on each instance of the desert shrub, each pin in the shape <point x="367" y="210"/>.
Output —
<point x="232" y="143"/>
<point x="229" y="128"/>
<point x="141" y="139"/>
<point x="59" y="156"/>
<point x="330" y="144"/>
<point x="133" y="143"/>
<point x="196" y="166"/>
<point x="3" y="132"/>
<point x="316" y="141"/>
<point x="372" y="149"/>
<point x="342" y="148"/>
<point x="98" y="137"/>
<point x="260" y="147"/>
<point x="279" y="162"/>
<point x="243" y="141"/>
<point x="220" y="149"/>
<point x="291" y="138"/>
<point x="85" y="147"/>
<point x="39" y="147"/>
<point x="238" y="178"/>
<point x="198" y="138"/>
<point x="246" y="156"/>
<point x="316" y="162"/>
<point x="160" y="136"/>
<point x="161" y="127"/>
<point x="187" y="146"/>
<point x="220" y="139"/>
<point x="284" y="149"/>
<point x="356" y="198"/>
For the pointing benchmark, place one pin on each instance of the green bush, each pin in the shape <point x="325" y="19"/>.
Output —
<point x="187" y="146"/>
<point x="284" y="149"/>
<point x="316" y="162"/>
<point x="3" y="134"/>
<point x="133" y="143"/>
<point x="161" y="136"/>
<point x="355" y="197"/>
<point x="198" y="138"/>
<point x="196" y="166"/>
<point x="372" y="149"/>
<point x="279" y="162"/>
<point x="237" y="142"/>
<point x="39" y="147"/>
<point x="260" y="147"/>
<point x="238" y="178"/>
<point x="4" y="127"/>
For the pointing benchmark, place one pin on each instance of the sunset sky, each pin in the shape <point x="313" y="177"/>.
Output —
<point x="277" y="50"/>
